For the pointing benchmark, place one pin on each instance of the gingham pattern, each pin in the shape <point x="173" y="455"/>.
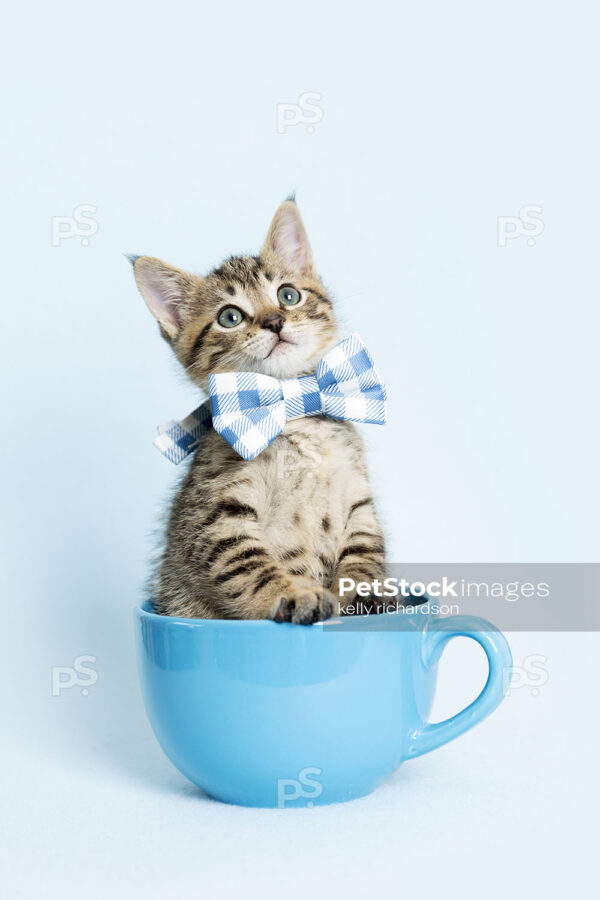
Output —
<point x="176" y="440"/>
<point x="249" y="410"/>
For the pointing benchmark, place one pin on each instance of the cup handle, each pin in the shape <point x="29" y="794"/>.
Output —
<point x="435" y="637"/>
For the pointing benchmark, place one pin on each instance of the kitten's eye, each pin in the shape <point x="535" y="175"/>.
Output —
<point x="288" y="295"/>
<point x="230" y="317"/>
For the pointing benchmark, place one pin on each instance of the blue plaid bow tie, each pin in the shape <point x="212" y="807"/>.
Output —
<point x="250" y="410"/>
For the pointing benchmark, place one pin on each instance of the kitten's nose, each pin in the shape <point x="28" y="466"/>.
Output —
<point x="274" y="322"/>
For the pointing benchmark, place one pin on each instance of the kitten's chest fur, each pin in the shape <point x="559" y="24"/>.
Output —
<point x="301" y="487"/>
<point x="309" y="478"/>
<point x="244" y="536"/>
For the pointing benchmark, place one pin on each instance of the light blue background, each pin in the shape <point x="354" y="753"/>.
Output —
<point x="437" y="119"/>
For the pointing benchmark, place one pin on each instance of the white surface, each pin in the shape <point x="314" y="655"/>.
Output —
<point x="437" y="119"/>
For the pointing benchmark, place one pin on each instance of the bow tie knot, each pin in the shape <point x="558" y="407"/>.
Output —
<point x="302" y="396"/>
<point x="249" y="410"/>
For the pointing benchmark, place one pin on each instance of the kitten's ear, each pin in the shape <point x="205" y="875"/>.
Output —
<point x="166" y="291"/>
<point x="287" y="239"/>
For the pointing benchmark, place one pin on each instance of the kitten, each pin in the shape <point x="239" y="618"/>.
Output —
<point x="268" y="538"/>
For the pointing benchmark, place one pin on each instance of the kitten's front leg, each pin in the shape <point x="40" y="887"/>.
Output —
<point x="246" y="580"/>
<point x="249" y="583"/>
<point x="361" y="557"/>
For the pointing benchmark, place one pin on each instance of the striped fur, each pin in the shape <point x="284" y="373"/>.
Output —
<point x="270" y="537"/>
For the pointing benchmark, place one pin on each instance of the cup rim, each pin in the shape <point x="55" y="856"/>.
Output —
<point x="144" y="610"/>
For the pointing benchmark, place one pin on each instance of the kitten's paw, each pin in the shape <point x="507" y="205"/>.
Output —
<point x="305" y="607"/>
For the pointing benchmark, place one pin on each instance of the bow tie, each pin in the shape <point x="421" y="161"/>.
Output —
<point x="249" y="410"/>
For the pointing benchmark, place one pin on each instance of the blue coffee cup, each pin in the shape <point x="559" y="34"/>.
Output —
<point x="279" y="715"/>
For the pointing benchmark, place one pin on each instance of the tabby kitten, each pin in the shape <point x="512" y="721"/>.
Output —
<point x="270" y="537"/>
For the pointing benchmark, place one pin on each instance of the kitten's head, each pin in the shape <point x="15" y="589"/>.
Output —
<point x="267" y="313"/>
